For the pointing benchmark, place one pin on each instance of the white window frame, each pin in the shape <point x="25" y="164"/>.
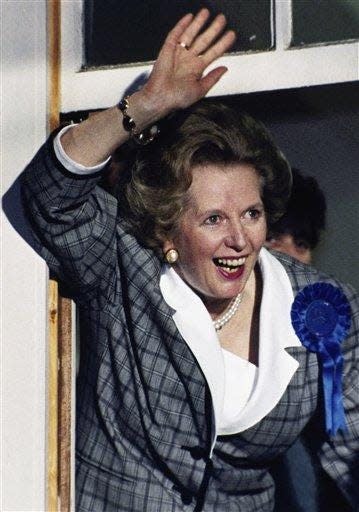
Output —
<point x="281" y="68"/>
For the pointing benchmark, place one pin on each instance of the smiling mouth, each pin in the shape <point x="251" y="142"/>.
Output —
<point x="229" y="265"/>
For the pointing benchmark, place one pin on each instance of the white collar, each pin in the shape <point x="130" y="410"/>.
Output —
<point x="276" y="366"/>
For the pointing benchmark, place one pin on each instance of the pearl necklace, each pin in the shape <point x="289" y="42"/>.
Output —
<point x="222" y="320"/>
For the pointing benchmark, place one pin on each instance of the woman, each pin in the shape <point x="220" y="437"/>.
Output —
<point x="191" y="378"/>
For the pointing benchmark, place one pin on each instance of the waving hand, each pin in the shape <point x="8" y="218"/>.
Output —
<point x="178" y="77"/>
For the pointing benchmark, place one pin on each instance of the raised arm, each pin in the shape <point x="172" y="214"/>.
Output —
<point x="177" y="81"/>
<point x="74" y="220"/>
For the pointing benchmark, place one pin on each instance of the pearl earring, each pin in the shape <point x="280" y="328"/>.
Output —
<point x="171" y="256"/>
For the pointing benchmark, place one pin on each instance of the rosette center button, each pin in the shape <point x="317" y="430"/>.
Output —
<point x="321" y="317"/>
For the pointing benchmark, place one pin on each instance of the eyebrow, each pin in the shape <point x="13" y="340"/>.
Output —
<point x="256" y="205"/>
<point x="214" y="210"/>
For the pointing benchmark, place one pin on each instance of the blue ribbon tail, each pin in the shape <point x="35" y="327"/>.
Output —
<point x="332" y="364"/>
<point x="338" y="408"/>
<point x="328" y="385"/>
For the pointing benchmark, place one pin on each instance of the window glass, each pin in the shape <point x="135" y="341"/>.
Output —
<point x="324" y="21"/>
<point x="123" y="31"/>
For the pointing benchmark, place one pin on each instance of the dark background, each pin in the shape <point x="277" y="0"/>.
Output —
<point x="123" y="31"/>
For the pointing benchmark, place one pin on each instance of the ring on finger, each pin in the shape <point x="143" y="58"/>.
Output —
<point x="183" y="45"/>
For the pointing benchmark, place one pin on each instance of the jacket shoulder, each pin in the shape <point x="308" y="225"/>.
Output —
<point x="302" y="275"/>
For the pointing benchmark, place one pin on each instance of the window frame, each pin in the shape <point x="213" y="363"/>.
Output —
<point x="283" y="67"/>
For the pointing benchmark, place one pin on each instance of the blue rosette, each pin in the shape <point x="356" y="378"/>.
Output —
<point x="321" y="318"/>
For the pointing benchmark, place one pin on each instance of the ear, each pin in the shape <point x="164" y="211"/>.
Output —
<point x="168" y="245"/>
<point x="270" y="243"/>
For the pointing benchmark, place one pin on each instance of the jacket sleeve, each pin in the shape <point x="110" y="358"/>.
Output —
<point x="73" y="220"/>
<point x="339" y="456"/>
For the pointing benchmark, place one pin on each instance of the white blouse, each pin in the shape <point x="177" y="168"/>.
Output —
<point x="242" y="394"/>
<point x="240" y="378"/>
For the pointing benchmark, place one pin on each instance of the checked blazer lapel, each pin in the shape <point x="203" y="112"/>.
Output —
<point x="152" y="318"/>
<point x="195" y="325"/>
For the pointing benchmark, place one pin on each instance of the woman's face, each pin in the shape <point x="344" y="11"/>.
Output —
<point x="221" y="231"/>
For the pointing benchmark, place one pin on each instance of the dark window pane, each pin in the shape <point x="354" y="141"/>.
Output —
<point x="324" y="21"/>
<point x="125" y="31"/>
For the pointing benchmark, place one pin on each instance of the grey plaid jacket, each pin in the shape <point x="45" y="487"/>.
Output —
<point x="144" y="412"/>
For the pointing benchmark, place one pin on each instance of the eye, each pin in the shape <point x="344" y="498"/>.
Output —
<point x="302" y="245"/>
<point x="212" y="220"/>
<point x="253" y="213"/>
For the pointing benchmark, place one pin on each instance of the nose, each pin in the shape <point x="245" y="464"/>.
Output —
<point x="236" y="237"/>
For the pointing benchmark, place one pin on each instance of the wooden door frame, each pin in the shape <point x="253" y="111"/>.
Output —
<point x="60" y="320"/>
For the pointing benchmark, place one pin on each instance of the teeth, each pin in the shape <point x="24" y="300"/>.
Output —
<point x="230" y="263"/>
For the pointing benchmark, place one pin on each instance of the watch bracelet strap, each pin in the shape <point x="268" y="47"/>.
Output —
<point x="129" y="125"/>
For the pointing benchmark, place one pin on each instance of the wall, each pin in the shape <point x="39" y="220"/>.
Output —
<point x="23" y="274"/>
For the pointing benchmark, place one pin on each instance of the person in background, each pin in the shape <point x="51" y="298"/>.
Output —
<point x="298" y="232"/>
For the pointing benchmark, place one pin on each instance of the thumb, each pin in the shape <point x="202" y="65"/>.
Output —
<point x="209" y="80"/>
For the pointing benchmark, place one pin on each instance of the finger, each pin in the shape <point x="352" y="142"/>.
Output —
<point x="204" y="40"/>
<point x="167" y="52"/>
<point x="208" y="81"/>
<point x="219" y="48"/>
<point x="174" y="36"/>
<point x="193" y="29"/>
